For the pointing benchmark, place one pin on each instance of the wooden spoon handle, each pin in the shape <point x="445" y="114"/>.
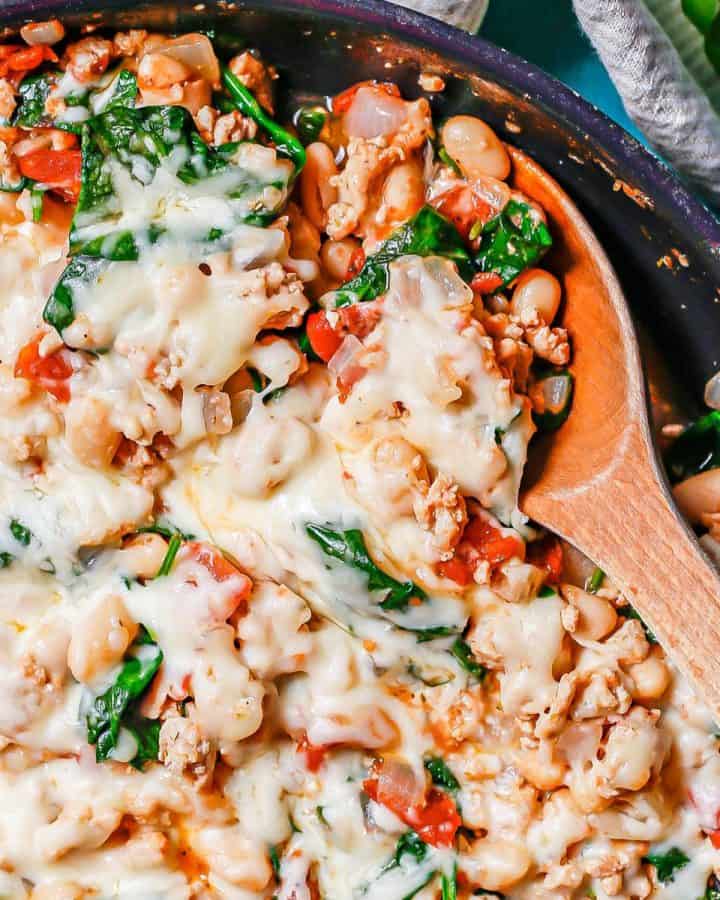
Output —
<point x="633" y="531"/>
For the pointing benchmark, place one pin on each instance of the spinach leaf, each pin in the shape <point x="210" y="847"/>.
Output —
<point x="449" y="885"/>
<point x="174" y="545"/>
<point x="423" y="635"/>
<point x="712" y="891"/>
<point x="6" y="559"/>
<point x="37" y="195"/>
<point x="59" y="310"/>
<point x="321" y="816"/>
<point x="125" y="90"/>
<point x="165" y="529"/>
<point x="349" y="547"/>
<point x="441" y="774"/>
<point x="13" y="187"/>
<point x="595" y="581"/>
<point x="139" y="141"/>
<point x="20" y="532"/>
<point x="411" y="845"/>
<point x="464" y="655"/>
<point x="147" y="736"/>
<point x="118" y="706"/>
<point x="285" y="143"/>
<point x="428" y="681"/>
<point x="275" y="860"/>
<point x="667" y="864"/>
<point x="33" y="93"/>
<point x="426" y="234"/>
<point x="631" y="613"/>
<point x="309" y="121"/>
<point x="512" y="241"/>
<point x="696" y="450"/>
<point x="445" y="158"/>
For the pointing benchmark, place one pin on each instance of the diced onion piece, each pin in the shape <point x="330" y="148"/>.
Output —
<point x="712" y="392"/>
<point x="552" y="397"/>
<point x="196" y="52"/>
<point x="345" y="365"/>
<point x="398" y="786"/>
<point x="49" y="32"/>
<point x="374" y="112"/>
<point x="217" y="411"/>
<point x="345" y="356"/>
<point x="556" y="393"/>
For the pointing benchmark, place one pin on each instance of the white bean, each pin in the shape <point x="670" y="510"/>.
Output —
<point x="336" y="256"/>
<point x="49" y="32"/>
<point x="651" y="678"/>
<point x="142" y="555"/>
<point x="89" y="434"/>
<point x="475" y="148"/>
<point x="403" y="191"/>
<point x="317" y="192"/>
<point x="698" y="495"/>
<point x="597" y="616"/>
<point x="495" y="865"/>
<point x="537" y="291"/>
<point x="100" y="638"/>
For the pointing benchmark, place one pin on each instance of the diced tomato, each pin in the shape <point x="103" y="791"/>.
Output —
<point x="58" y="169"/>
<point x="50" y="372"/>
<point x="342" y="101"/>
<point x="314" y="755"/>
<point x="221" y="570"/>
<point x="490" y="544"/>
<point x="322" y="336"/>
<point x="547" y="554"/>
<point x="435" y="820"/>
<point x="25" y="59"/>
<point x="7" y="50"/>
<point x="358" y="319"/>
<point x="464" y="207"/>
<point x="357" y="261"/>
<point x="456" y="570"/>
<point x="485" y="283"/>
<point x="481" y="542"/>
<point x="715" y="839"/>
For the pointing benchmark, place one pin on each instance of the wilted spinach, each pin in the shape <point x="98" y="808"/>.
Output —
<point x="426" y="234"/>
<point x="512" y="241"/>
<point x="349" y="547"/>
<point x="118" y="707"/>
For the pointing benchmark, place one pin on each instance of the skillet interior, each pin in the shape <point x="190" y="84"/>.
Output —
<point x="664" y="243"/>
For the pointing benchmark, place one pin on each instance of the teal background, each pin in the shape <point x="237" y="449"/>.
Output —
<point x="546" y="33"/>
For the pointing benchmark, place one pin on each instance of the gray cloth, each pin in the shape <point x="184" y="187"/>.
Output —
<point x="467" y="14"/>
<point x="664" y="91"/>
<point x="659" y="93"/>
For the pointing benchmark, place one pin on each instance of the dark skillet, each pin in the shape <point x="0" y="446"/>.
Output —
<point x="664" y="243"/>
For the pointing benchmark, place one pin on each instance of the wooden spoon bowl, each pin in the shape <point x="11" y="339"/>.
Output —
<point x="597" y="482"/>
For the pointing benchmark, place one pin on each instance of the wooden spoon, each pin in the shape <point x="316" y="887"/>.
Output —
<point x="597" y="481"/>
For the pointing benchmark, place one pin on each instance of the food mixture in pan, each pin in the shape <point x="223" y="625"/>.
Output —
<point x="272" y="623"/>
